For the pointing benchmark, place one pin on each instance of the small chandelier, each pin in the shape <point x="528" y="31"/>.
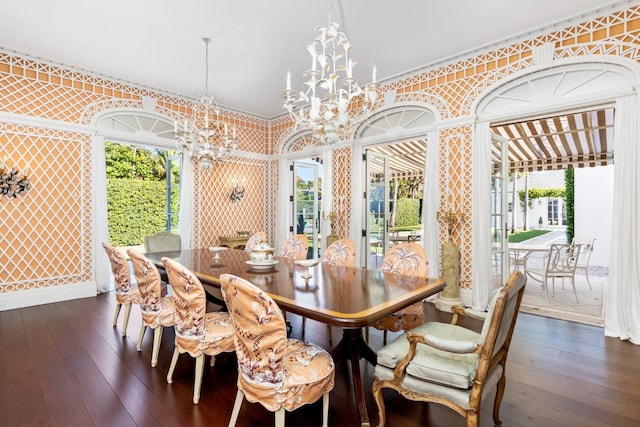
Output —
<point x="206" y="139"/>
<point x="323" y="104"/>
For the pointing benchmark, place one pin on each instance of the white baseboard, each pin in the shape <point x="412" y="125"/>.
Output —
<point x="31" y="297"/>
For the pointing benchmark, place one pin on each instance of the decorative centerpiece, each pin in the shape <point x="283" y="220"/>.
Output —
<point x="262" y="252"/>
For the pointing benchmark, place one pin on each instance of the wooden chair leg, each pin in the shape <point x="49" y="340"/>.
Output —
<point x="127" y="313"/>
<point x="115" y="316"/>
<point x="197" y="383"/>
<point x="236" y="408"/>
<point x="143" y="329"/>
<point x="157" y="337"/>
<point x="498" y="401"/>
<point x="377" y="396"/>
<point x="325" y="409"/>
<point x="172" y="367"/>
<point x="280" y="417"/>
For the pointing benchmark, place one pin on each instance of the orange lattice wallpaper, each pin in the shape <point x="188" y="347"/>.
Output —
<point x="47" y="114"/>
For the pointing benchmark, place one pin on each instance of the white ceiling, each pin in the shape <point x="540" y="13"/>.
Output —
<point x="157" y="43"/>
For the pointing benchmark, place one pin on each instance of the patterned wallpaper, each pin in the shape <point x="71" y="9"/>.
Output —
<point x="46" y="237"/>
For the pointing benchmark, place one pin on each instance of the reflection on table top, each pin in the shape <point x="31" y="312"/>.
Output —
<point x="346" y="297"/>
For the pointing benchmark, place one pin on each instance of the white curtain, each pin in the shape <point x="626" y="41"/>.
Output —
<point x="102" y="267"/>
<point x="622" y="295"/>
<point x="481" y="218"/>
<point x="185" y="222"/>
<point x="430" y="202"/>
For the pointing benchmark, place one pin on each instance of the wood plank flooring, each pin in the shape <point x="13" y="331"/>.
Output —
<point x="64" y="364"/>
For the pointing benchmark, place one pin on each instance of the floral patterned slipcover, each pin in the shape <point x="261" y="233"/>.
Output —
<point x="340" y="252"/>
<point x="407" y="259"/>
<point x="126" y="293"/>
<point x="157" y="311"/>
<point x="254" y="240"/>
<point x="196" y="332"/>
<point x="295" y="247"/>
<point x="275" y="371"/>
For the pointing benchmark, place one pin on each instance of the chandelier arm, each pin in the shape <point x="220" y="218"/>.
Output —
<point x="205" y="139"/>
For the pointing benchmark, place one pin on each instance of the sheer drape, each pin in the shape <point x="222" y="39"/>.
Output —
<point x="185" y="222"/>
<point x="431" y="201"/>
<point x="102" y="270"/>
<point x="481" y="219"/>
<point x="622" y="295"/>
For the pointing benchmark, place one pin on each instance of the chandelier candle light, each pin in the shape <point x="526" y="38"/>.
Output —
<point x="204" y="137"/>
<point x="323" y="104"/>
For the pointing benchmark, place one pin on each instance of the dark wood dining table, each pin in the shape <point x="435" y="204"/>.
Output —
<point x="350" y="298"/>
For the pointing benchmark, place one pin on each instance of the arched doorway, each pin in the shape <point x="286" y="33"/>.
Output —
<point x="392" y="148"/>
<point x="556" y="118"/>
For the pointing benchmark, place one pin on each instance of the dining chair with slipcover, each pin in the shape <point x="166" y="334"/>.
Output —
<point x="280" y="373"/>
<point x="157" y="310"/>
<point x="126" y="292"/>
<point x="295" y="247"/>
<point x="453" y="366"/>
<point x="560" y="262"/>
<point x="255" y="240"/>
<point x="407" y="259"/>
<point x="197" y="332"/>
<point x="341" y="253"/>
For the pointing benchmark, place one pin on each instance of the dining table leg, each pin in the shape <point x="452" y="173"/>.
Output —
<point x="353" y="347"/>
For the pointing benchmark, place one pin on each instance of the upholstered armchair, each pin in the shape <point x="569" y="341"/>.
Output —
<point x="279" y="373"/>
<point x="157" y="311"/>
<point x="295" y="247"/>
<point x="451" y="365"/>
<point x="198" y="333"/>
<point x="162" y="241"/>
<point x="126" y="293"/>
<point x="407" y="259"/>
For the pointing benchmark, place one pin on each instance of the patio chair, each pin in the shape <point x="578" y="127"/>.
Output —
<point x="451" y="365"/>
<point x="560" y="262"/>
<point x="585" y="256"/>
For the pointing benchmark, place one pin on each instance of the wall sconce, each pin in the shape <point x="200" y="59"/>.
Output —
<point x="237" y="193"/>
<point x="12" y="182"/>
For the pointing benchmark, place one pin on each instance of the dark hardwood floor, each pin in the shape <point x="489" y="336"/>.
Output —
<point x="63" y="364"/>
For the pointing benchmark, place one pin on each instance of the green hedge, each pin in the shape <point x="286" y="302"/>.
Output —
<point x="407" y="212"/>
<point x="135" y="209"/>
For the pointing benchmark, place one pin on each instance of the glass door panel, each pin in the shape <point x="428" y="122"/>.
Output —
<point x="377" y="199"/>
<point x="306" y="200"/>
<point x="499" y="212"/>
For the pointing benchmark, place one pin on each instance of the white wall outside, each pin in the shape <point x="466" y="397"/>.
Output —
<point x="593" y="190"/>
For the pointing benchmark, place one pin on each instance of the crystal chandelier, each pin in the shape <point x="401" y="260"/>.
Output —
<point x="324" y="103"/>
<point x="206" y="139"/>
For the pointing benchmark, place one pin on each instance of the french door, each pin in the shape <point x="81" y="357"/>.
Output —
<point x="376" y="232"/>
<point x="306" y="204"/>
<point x="499" y="212"/>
